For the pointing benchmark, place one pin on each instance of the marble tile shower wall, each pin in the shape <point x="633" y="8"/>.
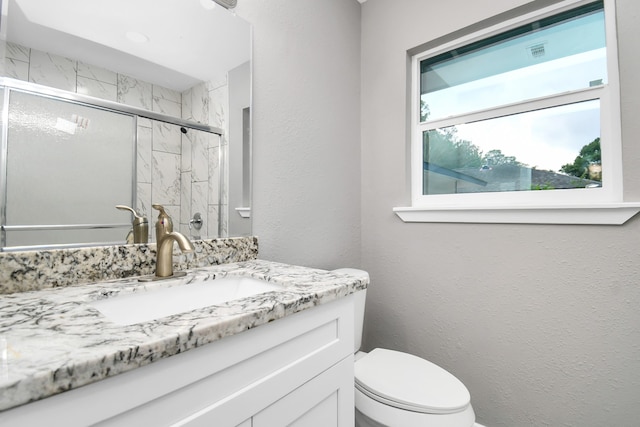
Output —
<point x="209" y="103"/>
<point x="180" y="171"/>
<point x="218" y="117"/>
<point x="51" y="70"/>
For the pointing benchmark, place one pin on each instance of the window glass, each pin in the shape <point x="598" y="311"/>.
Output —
<point x="557" y="54"/>
<point x="519" y="122"/>
<point x="547" y="149"/>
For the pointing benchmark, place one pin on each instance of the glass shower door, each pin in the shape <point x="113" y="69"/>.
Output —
<point x="66" y="166"/>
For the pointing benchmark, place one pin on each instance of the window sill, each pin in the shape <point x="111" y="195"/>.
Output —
<point x="605" y="214"/>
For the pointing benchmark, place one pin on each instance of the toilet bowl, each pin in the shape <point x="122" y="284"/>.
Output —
<point x="396" y="389"/>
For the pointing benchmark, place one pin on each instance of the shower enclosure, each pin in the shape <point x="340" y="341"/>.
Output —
<point x="66" y="161"/>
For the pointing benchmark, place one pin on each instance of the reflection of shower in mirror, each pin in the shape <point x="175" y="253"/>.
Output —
<point x="126" y="154"/>
<point x="178" y="81"/>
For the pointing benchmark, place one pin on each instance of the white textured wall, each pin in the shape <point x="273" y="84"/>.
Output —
<point x="542" y="323"/>
<point x="306" y="134"/>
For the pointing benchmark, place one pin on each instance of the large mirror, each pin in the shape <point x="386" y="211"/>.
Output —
<point x="123" y="103"/>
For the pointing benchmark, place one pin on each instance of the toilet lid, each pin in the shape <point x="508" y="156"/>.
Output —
<point x="409" y="382"/>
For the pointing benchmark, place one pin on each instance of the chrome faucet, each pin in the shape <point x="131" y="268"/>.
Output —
<point x="165" y="236"/>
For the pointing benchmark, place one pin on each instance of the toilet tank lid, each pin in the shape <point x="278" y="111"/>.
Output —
<point x="410" y="382"/>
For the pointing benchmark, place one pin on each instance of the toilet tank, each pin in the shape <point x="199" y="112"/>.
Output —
<point x="359" y="304"/>
<point x="358" y="319"/>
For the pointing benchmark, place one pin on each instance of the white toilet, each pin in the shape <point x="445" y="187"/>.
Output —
<point x="396" y="389"/>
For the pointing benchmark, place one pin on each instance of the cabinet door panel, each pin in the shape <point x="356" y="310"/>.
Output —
<point x="324" y="413"/>
<point x="325" y="401"/>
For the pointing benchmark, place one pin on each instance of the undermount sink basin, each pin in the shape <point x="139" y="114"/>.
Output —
<point x="132" y="308"/>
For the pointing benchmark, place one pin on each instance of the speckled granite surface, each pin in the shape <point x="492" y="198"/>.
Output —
<point x="53" y="340"/>
<point x="35" y="270"/>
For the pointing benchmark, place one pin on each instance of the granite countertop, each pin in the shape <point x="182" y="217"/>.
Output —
<point x="53" y="340"/>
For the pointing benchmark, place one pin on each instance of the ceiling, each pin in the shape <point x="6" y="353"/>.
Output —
<point x="186" y="40"/>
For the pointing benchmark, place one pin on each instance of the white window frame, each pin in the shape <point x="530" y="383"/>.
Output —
<point x="602" y="205"/>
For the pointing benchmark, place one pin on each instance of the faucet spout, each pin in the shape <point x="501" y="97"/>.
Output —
<point x="164" y="262"/>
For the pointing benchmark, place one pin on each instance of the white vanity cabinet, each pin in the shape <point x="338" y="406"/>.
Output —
<point x="295" y="371"/>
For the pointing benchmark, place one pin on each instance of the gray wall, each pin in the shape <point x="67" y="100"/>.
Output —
<point x="542" y="323"/>
<point x="306" y="134"/>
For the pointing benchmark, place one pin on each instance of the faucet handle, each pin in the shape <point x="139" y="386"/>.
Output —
<point x="164" y="224"/>
<point x="127" y="208"/>
<point x="140" y="231"/>
<point x="159" y="208"/>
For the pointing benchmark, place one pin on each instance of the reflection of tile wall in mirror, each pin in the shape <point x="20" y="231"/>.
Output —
<point x="135" y="92"/>
<point x="165" y="156"/>
<point x="17" y="61"/>
<point x="167" y="101"/>
<point x="144" y="147"/>
<point x="185" y="208"/>
<point x="97" y="89"/>
<point x="97" y="82"/>
<point x="199" y="157"/>
<point x="219" y="117"/>
<point x="144" y="205"/>
<point x="165" y="172"/>
<point x="52" y="70"/>
<point x="97" y="73"/>
<point x="195" y="103"/>
<point x="166" y="138"/>
<point x="215" y="177"/>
